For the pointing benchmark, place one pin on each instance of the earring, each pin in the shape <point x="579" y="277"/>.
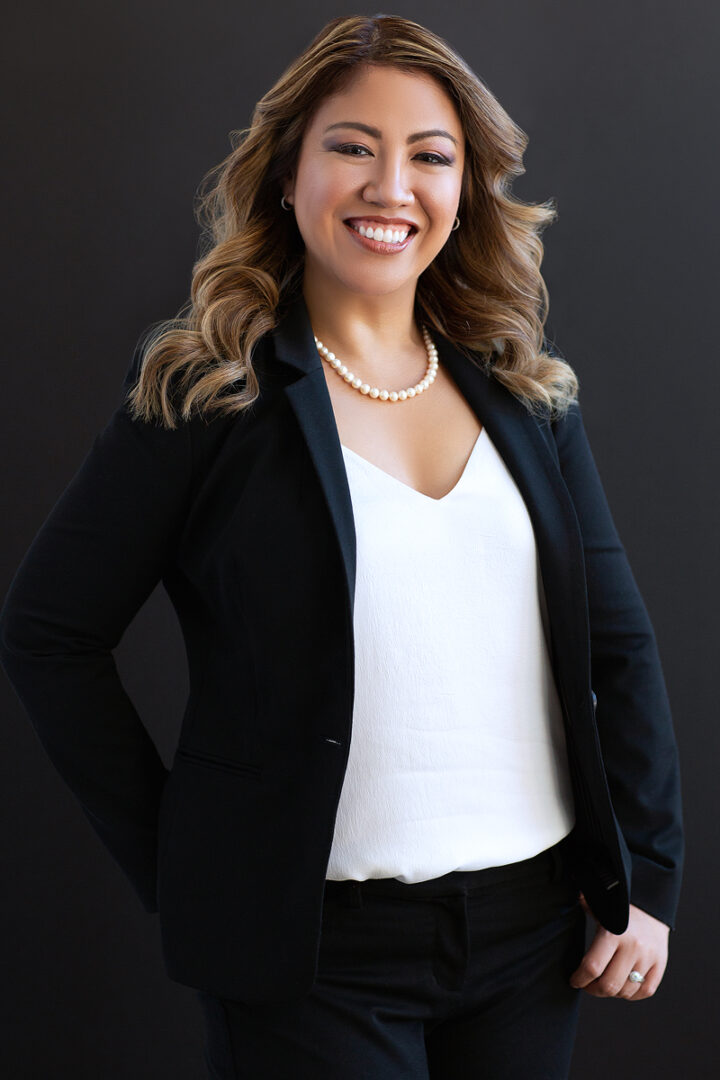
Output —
<point x="456" y="225"/>
<point x="282" y="203"/>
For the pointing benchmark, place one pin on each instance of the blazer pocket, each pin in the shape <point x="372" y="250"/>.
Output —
<point x="212" y="761"/>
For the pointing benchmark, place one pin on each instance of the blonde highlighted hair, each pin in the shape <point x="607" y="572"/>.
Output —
<point x="483" y="291"/>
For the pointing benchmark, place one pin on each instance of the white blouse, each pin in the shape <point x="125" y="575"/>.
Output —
<point x="457" y="759"/>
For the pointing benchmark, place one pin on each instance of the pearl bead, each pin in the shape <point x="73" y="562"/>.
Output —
<point x="375" y="392"/>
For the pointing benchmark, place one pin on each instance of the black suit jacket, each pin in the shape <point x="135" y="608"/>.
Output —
<point x="248" y="523"/>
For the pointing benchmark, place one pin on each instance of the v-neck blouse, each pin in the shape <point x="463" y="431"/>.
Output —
<point x="457" y="759"/>
<point x="468" y="465"/>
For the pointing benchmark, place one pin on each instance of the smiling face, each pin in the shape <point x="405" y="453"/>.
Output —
<point x="389" y="146"/>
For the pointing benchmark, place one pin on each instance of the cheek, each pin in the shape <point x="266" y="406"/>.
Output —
<point x="323" y="195"/>
<point x="444" y="201"/>
<point x="437" y="198"/>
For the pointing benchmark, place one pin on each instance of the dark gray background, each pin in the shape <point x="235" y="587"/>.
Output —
<point x="115" y="113"/>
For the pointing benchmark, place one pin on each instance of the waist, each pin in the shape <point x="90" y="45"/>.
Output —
<point x="552" y="862"/>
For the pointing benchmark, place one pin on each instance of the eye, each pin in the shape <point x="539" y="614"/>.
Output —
<point x="438" y="159"/>
<point x="349" y="146"/>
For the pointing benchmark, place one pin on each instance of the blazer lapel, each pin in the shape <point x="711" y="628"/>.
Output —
<point x="519" y="441"/>
<point x="295" y="345"/>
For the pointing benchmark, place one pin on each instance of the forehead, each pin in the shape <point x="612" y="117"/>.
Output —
<point x="391" y="98"/>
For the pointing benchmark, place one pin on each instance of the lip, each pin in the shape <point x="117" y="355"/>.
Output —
<point x="378" y="246"/>
<point x="384" y="220"/>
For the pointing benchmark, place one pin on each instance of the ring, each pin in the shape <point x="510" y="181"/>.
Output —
<point x="636" y="977"/>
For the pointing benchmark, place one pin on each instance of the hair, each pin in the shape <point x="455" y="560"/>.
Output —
<point x="483" y="291"/>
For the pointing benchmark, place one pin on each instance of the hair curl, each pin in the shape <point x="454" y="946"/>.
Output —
<point x="483" y="291"/>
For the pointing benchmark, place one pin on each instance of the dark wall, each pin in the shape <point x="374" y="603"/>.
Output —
<point x="116" y="112"/>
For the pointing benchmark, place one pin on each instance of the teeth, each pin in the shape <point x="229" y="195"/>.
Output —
<point x="386" y="236"/>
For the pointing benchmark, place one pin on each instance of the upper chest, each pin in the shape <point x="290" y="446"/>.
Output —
<point x="424" y="442"/>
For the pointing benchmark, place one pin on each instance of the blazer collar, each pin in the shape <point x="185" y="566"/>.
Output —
<point x="519" y="440"/>
<point x="294" y="340"/>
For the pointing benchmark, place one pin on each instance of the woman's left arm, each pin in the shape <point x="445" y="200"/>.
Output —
<point x="636" y="735"/>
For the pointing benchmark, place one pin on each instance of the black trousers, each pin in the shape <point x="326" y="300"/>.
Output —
<point x="462" y="976"/>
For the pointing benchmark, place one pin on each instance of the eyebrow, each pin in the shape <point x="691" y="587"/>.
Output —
<point x="377" y="135"/>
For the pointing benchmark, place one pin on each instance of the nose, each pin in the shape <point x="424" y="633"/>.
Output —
<point x="389" y="184"/>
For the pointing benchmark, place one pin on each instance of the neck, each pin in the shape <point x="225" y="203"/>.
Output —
<point x="355" y="326"/>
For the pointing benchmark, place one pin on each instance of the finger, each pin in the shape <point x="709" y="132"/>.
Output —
<point x="631" y="989"/>
<point x="614" y="980"/>
<point x="653" y="978"/>
<point x="595" y="960"/>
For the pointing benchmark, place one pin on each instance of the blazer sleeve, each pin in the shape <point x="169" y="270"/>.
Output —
<point x="88" y="570"/>
<point x="633" y="711"/>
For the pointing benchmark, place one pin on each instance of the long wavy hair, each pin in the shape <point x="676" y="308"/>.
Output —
<point x="483" y="291"/>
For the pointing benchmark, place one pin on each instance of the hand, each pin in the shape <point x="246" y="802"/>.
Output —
<point x="606" y="965"/>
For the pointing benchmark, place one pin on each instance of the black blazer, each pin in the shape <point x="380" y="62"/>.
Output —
<point x="248" y="523"/>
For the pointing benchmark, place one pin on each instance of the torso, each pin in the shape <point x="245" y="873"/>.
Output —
<point x="425" y="442"/>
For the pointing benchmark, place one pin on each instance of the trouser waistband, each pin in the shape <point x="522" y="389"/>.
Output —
<point x="552" y="861"/>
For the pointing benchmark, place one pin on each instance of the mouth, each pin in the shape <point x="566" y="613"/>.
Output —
<point x="383" y="247"/>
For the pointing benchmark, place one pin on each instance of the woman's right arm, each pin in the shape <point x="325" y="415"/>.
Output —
<point x="90" y="567"/>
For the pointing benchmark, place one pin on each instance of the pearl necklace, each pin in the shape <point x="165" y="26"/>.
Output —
<point x="373" y="391"/>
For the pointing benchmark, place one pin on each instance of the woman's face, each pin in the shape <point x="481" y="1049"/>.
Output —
<point x="390" y="145"/>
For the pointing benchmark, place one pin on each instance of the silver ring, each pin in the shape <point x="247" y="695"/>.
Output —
<point x="636" y="977"/>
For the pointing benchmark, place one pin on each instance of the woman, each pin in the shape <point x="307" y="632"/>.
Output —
<point x="417" y="550"/>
